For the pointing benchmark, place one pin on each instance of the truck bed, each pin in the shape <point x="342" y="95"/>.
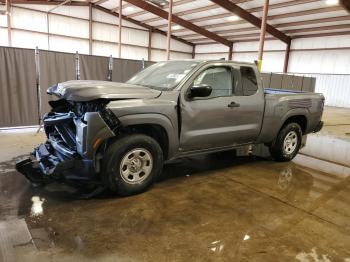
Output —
<point x="281" y="91"/>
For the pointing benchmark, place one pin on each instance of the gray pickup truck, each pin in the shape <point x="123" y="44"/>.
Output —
<point x="120" y="134"/>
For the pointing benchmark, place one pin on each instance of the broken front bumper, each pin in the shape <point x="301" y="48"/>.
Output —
<point x="68" y="153"/>
<point x="43" y="165"/>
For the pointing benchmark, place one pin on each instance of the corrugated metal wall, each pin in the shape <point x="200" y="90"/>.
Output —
<point x="335" y="88"/>
<point x="70" y="33"/>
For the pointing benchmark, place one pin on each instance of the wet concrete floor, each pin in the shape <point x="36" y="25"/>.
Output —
<point x="208" y="208"/>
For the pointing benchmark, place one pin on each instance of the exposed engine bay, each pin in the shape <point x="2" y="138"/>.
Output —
<point x="73" y="130"/>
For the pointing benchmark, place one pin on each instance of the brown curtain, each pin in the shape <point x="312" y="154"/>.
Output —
<point x="55" y="67"/>
<point x="298" y="83"/>
<point x="93" y="67"/>
<point x="289" y="82"/>
<point x="266" y="78"/>
<point x="309" y="84"/>
<point x="124" y="69"/>
<point x="18" y="95"/>
<point x="276" y="81"/>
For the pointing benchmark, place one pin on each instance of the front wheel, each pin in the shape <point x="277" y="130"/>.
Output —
<point x="287" y="143"/>
<point x="131" y="164"/>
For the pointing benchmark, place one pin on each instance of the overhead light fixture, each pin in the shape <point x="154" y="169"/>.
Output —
<point x="233" y="18"/>
<point x="332" y="2"/>
<point x="159" y="3"/>
<point x="129" y="9"/>
<point x="176" y="27"/>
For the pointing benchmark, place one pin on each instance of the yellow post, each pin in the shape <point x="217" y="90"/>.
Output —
<point x="262" y="34"/>
<point x="260" y="65"/>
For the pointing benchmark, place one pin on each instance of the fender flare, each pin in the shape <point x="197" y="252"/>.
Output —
<point x="283" y="117"/>
<point x="295" y="112"/>
<point x="154" y="119"/>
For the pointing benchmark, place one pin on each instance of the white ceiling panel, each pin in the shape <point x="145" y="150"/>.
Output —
<point x="110" y="4"/>
<point x="298" y="8"/>
<point x="307" y="17"/>
<point x="158" y="23"/>
<point x="206" y="13"/>
<point x="256" y="31"/>
<point x="132" y="10"/>
<point x="228" y="27"/>
<point x="145" y="16"/>
<point x="320" y="31"/>
<point x="257" y="3"/>
<point x="316" y="25"/>
<point x="192" y="5"/>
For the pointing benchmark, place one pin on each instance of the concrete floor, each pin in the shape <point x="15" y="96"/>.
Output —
<point x="203" y="209"/>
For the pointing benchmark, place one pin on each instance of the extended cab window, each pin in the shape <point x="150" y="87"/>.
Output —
<point x="249" y="81"/>
<point x="218" y="78"/>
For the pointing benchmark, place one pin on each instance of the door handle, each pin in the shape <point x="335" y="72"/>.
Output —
<point x="233" y="104"/>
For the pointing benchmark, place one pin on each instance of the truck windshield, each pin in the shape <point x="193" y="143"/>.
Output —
<point x="163" y="75"/>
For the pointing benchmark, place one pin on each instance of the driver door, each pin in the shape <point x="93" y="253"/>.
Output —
<point x="207" y="122"/>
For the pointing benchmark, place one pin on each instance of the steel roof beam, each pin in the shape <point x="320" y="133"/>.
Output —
<point x="154" y="30"/>
<point x="164" y="14"/>
<point x="251" y="19"/>
<point x="181" y="2"/>
<point x="251" y="10"/>
<point x="291" y="31"/>
<point x="346" y="5"/>
<point x="279" y="16"/>
<point x="289" y="24"/>
<point x="198" y="10"/>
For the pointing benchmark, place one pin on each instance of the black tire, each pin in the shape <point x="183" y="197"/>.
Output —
<point x="120" y="149"/>
<point x="278" y="150"/>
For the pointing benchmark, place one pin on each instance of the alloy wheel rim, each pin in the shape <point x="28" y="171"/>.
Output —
<point x="136" y="165"/>
<point x="290" y="142"/>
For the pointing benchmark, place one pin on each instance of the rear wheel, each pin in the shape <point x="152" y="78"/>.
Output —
<point x="131" y="164"/>
<point x="287" y="143"/>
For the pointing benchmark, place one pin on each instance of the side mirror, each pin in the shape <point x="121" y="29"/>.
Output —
<point x="200" y="91"/>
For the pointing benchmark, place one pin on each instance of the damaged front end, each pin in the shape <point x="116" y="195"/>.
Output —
<point x="74" y="131"/>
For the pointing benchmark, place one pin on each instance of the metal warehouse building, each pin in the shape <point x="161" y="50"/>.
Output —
<point x="174" y="130"/>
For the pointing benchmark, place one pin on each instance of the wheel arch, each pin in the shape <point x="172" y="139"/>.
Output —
<point x="299" y="119"/>
<point x="156" y="131"/>
<point x="157" y="126"/>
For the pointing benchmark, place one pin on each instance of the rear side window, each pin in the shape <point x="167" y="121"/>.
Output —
<point x="249" y="82"/>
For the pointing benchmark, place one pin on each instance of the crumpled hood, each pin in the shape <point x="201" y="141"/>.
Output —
<point x="87" y="90"/>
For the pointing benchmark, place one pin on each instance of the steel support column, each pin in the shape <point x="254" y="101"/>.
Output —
<point x="120" y="13"/>
<point x="170" y="18"/>
<point x="262" y="34"/>
<point x="193" y="51"/>
<point x="149" y="57"/>
<point x="230" y="50"/>
<point x="48" y="30"/>
<point x="90" y="28"/>
<point x="286" y="58"/>
<point x="8" y="15"/>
